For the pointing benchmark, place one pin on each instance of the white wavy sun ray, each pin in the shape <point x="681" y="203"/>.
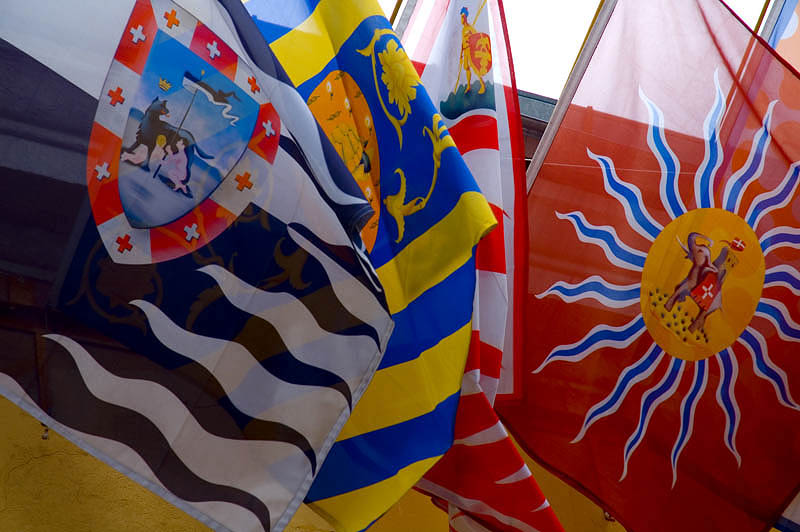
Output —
<point x="726" y="398"/>
<point x="737" y="184"/>
<point x="784" y="276"/>
<point x="629" y="196"/>
<point x="344" y="355"/>
<point x="688" y="408"/>
<point x="656" y="395"/>
<point x="669" y="163"/>
<point x="355" y="297"/>
<point x="521" y="474"/>
<point x="780" y="237"/>
<point x="776" y="313"/>
<point x="601" y="336"/>
<point x="478" y="507"/>
<point x="630" y="376"/>
<point x="128" y="461"/>
<point x="764" y="367"/>
<point x="712" y="160"/>
<point x="250" y="387"/>
<point x="618" y="253"/>
<point x="495" y="433"/>
<point x="595" y="287"/>
<point x="240" y="464"/>
<point x="777" y="198"/>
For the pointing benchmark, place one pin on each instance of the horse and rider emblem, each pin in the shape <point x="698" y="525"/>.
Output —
<point x="701" y="283"/>
<point x="179" y="112"/>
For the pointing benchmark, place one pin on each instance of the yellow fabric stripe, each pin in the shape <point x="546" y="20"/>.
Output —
<point x="437" y="253"/>
<point x="411" y="389"/>
<point x="354" y="510"/>
<point x="306" y="49"/>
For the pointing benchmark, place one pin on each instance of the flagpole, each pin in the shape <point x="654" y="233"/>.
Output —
<point x="395" y="11"/>
<point x="575" y="77"/>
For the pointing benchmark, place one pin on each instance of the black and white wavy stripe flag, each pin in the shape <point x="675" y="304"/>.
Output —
<point x="210" y="321"/>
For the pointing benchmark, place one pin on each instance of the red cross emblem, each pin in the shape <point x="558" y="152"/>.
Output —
<point x="738" y="244"/>
<point x="116" y="96"/>
<point x="124" y="243"/>
<point x="172" y="19"/>
<point x="244" y="181"/>
<point x="254" y="88"/>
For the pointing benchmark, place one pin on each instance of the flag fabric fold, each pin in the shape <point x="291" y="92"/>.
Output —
<point x="358" y="81"/>
<point x="661" y="312"/>
<point x="462" y="54"/>
<point x="202" y="316"/>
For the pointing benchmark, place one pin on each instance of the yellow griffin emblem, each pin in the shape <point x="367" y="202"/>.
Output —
<point x="396" y="204"/>
<point x="476" y="51"/>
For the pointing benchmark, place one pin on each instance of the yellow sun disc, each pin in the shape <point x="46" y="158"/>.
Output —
<point x="701" y="283"/>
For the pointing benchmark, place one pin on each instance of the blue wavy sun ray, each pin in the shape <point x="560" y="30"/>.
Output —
<point x="780" y="237"/>
<point x="669" y="163"/>
<point x="617" y="252"/>
<point x="738" y="182"/>
<point x="688" y="407"/>
<point x="630" y="376"/>
<point x="629" y="196"/>
<point x="777" y="198"/>
<point x="712" y="160"/>
<point x="726" y="398"/>
<point x="650" y="401"/>
<point x="778" y="315"/>
<point x="785" y="276"/>
<point x="765" y="368"/>
<point x="599" y="337"/>
<point x="597" y="288"/>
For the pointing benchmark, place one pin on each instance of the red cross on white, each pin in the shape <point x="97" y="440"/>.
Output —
<point x="116" y="96"/>
<point x="124" y="243"/>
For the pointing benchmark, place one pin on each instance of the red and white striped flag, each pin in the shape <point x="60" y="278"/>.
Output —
<point x="461" y="52"/>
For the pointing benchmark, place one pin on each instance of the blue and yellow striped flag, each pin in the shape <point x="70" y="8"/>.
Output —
<point x="364" y="91"/>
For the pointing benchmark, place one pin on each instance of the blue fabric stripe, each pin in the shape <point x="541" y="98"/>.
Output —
<point x="597" y="287"/>
<point x="370" y="458"/>
<point x="686" y="416"/>
<point x="436" y="314"/>
<point x="787" y="10"/>
<point x="614" y="246"/>
<point x="276" y="18"/>
<point x="779" y="238"/>
<point x="773" y="201"/>
<point x="725" y="391"/>
<point x="634" y="203"/>
<point x="649" y="399"/>
<point x="762" y="137"/>
<point x="784" y="525"/>
<point x="778" y="319"/>
<point x="603" y="335"/>
<point x="619" y="392"/>
<point x="782" y="277"/>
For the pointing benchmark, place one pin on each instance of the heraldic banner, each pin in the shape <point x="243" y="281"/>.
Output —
<point x="201" y="314"/>
<point x="462" y="54"/>
<point x="663" y="313"/>
<point x="357" y="79"/>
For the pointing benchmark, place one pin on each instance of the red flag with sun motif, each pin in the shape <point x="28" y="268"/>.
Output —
<point x="663" y="303"/>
